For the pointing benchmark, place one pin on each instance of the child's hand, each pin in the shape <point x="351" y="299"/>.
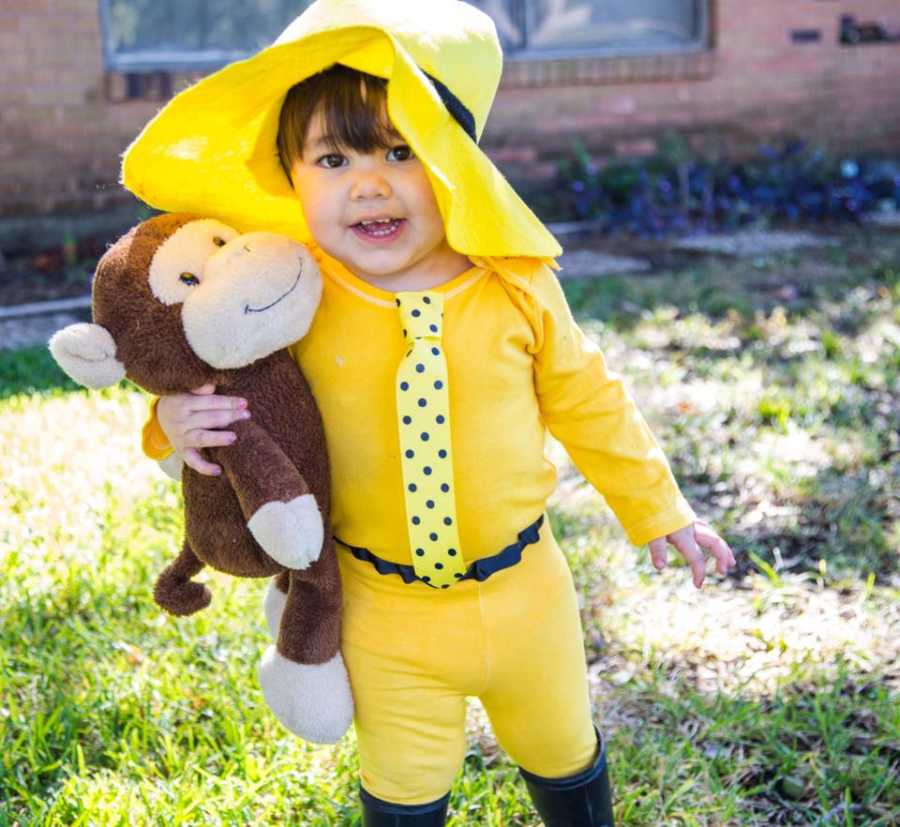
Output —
<point x="688" y="541"/>
<point x="185" y="418"/>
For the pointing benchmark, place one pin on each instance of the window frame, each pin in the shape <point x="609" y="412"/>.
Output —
<point x="149" y="61"/>
<point x="700" y="44"/>
<point x="156" y="61"/>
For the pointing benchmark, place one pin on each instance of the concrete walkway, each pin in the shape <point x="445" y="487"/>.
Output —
<point x="27" y="331"/>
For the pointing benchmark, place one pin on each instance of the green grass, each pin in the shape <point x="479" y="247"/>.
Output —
<point x="768" y="697"/>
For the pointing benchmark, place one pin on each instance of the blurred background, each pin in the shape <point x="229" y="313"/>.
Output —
<point x="724" y="177"/>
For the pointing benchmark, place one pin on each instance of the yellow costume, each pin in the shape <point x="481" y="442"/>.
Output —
<point x="516" y="368"/>
<point x="517" y="364"/>
<point x="514" y="640"/>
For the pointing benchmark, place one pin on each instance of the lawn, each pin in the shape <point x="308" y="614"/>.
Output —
<point x="768" y="697"/>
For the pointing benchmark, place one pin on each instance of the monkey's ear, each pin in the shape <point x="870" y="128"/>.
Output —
<point x="87" y="353"/>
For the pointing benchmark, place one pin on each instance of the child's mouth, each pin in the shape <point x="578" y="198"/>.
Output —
<point x="381" y="231"/>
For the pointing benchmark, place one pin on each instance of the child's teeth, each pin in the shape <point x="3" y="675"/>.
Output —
<point x="385" y="226"/>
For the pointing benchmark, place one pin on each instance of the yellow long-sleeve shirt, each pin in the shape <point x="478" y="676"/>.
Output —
<point x="517" y="364"/>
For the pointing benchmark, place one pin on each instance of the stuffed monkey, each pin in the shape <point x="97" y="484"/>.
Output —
<point x="181" y="301"/>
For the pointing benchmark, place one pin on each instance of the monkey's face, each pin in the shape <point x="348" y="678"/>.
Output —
<point x="242" y="297"/>
<point x="181" y="298"/>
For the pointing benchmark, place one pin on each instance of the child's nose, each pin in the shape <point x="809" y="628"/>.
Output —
<point x="370" y="185"/>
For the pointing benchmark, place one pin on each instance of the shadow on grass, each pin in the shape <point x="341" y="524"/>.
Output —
<point x="843" y="519"/>
<point x="820" y="750"/>
<point x="801" y="283"/>
<point x="839" y="520"/>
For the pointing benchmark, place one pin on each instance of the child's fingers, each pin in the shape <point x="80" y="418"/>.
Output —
<point x="193" y="458"/>
<point x="658" y="552"/>
<point x="194" y="404"/>
<point x="202" y="438"/>
<point x="205" y="420"/>
<point x="684" y="541"/>
<point x="708" y="538"/>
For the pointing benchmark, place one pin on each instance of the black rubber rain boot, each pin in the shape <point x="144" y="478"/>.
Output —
<point x="378" y="813"/>
<point x="583" y="800"/>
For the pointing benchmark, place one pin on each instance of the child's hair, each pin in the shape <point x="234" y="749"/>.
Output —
<point x="354" y="110"/>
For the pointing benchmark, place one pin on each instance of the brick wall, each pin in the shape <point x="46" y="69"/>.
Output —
<point x="754" y="83"/>
<point x="59" y="138"/>
<point x="62" y="128"/>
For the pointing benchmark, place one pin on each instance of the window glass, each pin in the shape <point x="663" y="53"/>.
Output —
<point x="169" y="34"/>
<point x="176" y="32"/>
<point x="509" y="18"/>
<point x="616" y="25"/>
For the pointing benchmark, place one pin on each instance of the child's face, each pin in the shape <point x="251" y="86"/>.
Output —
<point x="339" y="190"/>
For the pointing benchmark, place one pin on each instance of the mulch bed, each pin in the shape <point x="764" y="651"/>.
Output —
<point x="27" y="287"/>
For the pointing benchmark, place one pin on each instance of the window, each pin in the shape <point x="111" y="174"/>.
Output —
<point x="175" y="35"/>
<point x="561" y="28"/>
<point x="189" y="35"/>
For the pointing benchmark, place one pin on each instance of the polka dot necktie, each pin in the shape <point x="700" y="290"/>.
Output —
<point x="423" y="407"/>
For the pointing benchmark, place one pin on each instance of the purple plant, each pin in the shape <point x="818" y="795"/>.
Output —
<point x="666" y="194"/>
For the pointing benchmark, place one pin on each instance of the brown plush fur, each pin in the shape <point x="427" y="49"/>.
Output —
<point x="280" y="454"/>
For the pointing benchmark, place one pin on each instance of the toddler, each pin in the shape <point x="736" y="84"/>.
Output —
<point x="442" y="351"/>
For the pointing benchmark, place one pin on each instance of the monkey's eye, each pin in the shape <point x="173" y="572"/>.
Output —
<point x="189" y="278"/>
<point x="219" y="242"/>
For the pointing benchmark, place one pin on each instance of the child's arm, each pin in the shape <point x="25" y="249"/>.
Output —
<point x="588" y="409"/>
<point x="154" y="442"/>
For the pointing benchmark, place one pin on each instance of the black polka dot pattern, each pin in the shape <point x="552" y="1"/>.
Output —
<point x="424" y="431"/>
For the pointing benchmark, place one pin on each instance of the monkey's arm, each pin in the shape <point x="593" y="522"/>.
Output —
<point x="281" y="513"/>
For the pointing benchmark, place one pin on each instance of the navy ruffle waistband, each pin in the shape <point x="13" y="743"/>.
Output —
<point x="478" y="570"/>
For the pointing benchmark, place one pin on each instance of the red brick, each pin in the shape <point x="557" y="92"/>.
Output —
<point x="636" y="148"/>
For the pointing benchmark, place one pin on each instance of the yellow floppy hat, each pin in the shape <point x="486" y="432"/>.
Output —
<point x="212" y="149"/>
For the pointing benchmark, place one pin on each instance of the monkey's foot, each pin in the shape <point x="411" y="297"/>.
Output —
<point x="311" y="700"/>
<point x="290" y="533"/>
<point x="180" y="597"/>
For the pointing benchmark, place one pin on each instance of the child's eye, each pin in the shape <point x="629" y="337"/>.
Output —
<point x="400" y="153"/>
<point x="331" y="161"/>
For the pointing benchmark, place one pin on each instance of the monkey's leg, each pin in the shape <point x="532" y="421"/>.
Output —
<point x="175" y="591"/>
<point x="303" y="678"/>
<point x="276" y="597"/>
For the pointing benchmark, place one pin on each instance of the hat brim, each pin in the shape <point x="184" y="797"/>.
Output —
<point x="212" y="149"/>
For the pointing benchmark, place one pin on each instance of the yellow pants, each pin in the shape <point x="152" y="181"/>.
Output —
<point x="414" y="653"/>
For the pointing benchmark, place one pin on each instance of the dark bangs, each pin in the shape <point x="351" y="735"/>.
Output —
<point x="354" y="108"/>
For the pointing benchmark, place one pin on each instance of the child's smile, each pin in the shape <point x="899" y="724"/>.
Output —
<point x="375" y="212"/>
<point x="379" y="230"/>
